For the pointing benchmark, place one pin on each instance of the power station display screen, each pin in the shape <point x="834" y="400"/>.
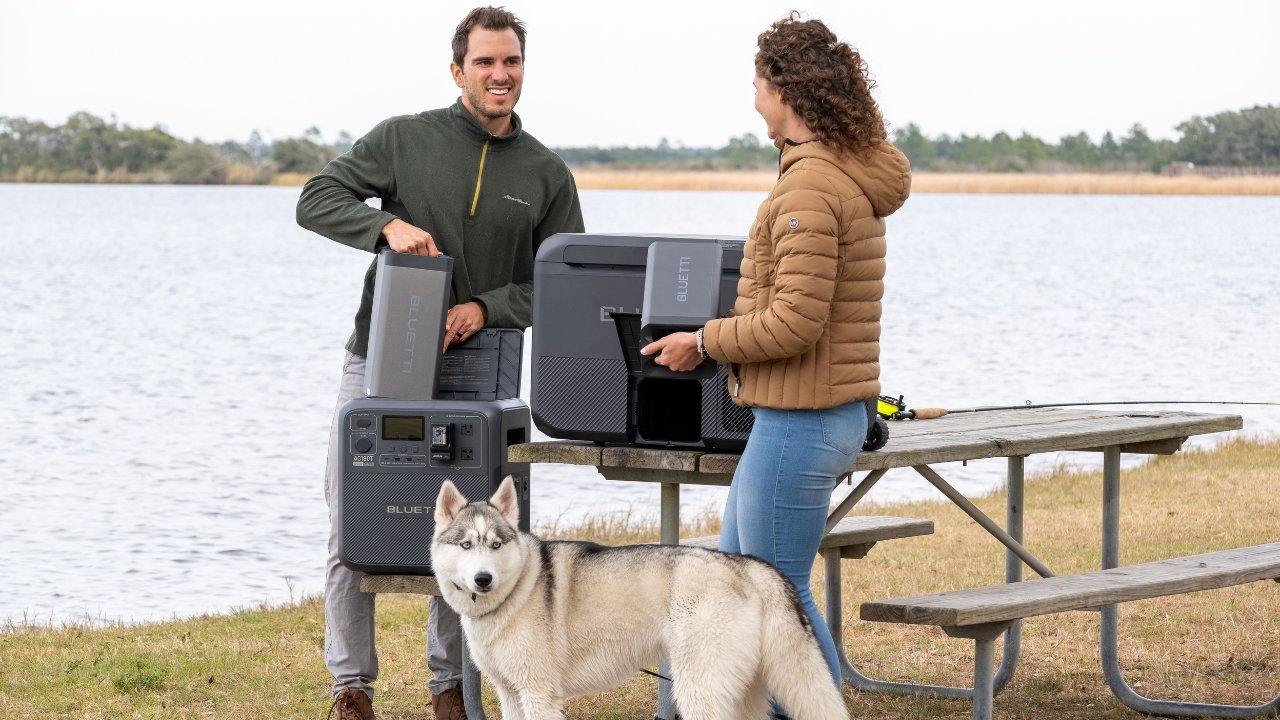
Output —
<point x="402" y="427"/>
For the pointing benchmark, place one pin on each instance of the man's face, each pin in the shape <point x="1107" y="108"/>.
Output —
<point x="491" y="76"/>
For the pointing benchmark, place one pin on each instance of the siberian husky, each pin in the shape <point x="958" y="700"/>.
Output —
<point x="549" y="620"/>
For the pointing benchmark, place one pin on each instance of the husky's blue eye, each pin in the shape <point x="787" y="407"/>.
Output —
<point x="466" y="544"/>
<point x="495" y="545"/>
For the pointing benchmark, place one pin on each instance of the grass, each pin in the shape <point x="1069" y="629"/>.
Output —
<point x="1094" y="184"/>
<point x="925" y="182"/>
<point x="290" y="178"/>
<point x="1222" y="645"/>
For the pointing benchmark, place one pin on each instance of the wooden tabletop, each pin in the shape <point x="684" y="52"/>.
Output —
<point x="962" y="436"/>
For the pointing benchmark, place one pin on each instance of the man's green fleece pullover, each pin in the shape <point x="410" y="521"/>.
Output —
<point x="487" y="201"/>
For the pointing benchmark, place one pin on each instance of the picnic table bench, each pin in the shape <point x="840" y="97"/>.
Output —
<point x="983" y="614"/>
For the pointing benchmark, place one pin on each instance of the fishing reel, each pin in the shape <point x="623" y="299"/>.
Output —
<point x="877" y="434"/>
<point x="896" y="409"/>
<point x="887" y="407"/>
<point x="891" y="408"/>
<point x="877" y="428"/>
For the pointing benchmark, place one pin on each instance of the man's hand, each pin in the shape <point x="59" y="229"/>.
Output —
<point x="463" y="321"/>
<point x="406" y="238"/>
<point x="677" y="351"/>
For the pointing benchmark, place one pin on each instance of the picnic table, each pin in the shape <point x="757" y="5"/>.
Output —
<point x="920" y="444"/>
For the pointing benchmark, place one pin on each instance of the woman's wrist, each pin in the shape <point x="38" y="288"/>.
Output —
<point x="702" y="349"/>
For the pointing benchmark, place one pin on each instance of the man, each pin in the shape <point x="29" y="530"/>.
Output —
<point x="468" y="182"/>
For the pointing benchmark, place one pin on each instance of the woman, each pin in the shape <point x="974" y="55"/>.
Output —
<point x="803" y="341"/>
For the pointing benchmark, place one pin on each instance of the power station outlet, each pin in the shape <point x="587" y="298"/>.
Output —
<point x="468" y="428"/>
<point x="468" y="453"/>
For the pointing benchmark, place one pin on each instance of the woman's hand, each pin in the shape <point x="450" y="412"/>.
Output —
<point x="677" y="351"/>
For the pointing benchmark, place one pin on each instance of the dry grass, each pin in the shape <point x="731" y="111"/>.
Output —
<point x="627" y="528"/>
<point x="290" y="178"/>
<point x="924" y="182"/>
<point x="1093" y="184"/>
<point x="591" y="179"/>
<point x="1221" y="645"/>
<point x="242" y="174"/>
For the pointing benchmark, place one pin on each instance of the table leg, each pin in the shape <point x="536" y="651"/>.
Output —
<point x="669" y="532"/>
<point x="984" y="653"/>
<point x="1013" y="573"/>
<point x="471" y="685"/>
<point x="669" y="527"/>
<point x="848" y="673"/>
<point x="1110" y="507"/>
<point x="1109" y="640"/>
<point x="1016" y="484"/>
<point x="852" y="499"/>
<point x="979" y="517"/>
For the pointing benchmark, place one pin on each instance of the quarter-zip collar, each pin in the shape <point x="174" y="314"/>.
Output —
<point x="471" y="128"/>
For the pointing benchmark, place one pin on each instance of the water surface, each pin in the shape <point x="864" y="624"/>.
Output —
<point x="170" y="359"/>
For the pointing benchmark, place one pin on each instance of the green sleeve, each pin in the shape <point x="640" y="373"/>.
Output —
<point x="511" y="304"/>
<point x="332" y="203"/>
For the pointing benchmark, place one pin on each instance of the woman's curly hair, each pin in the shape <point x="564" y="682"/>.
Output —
<point x="823" y="80"/>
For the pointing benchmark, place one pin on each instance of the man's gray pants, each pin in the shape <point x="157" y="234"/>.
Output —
<point x="348" y="612"/>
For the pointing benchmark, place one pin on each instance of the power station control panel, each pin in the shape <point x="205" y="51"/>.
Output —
<point x="431" y="438"/>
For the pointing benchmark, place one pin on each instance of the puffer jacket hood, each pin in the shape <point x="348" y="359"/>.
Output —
<point x="883" y="172"/>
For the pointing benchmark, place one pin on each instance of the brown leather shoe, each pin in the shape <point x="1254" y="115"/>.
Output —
<point x="352" y="704"/>
<point x="448" y="705"/>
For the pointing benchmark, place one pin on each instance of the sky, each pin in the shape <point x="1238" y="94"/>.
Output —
<point x="634" y="73"/>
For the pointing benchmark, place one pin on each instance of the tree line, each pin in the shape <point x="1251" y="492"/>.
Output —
<point x="87" y="148"/>
<point x="1245" y="138"/>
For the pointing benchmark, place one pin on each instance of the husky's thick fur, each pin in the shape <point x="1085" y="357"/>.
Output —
<point x="550" y="620"/>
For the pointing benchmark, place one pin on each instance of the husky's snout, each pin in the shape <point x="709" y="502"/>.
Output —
<point x="483" y="581"/>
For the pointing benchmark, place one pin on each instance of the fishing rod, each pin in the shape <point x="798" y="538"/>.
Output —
<point x="896" y="409"/>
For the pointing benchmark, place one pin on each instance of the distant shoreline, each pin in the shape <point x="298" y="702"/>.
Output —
<point x="932" y="182"/>
<point x="921" y="182"/>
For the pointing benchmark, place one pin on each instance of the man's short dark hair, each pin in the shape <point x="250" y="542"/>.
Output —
<point x="489" y="18"/>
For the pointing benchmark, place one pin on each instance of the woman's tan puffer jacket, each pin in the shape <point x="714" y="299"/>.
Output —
<point x="805" y="331"/>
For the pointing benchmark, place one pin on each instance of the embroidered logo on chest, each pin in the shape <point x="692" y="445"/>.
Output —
<point x="515" y="199"/>
<point x="793" y="223"/>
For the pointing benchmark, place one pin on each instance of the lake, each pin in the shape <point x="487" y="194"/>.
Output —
<point x="170" y="359"/>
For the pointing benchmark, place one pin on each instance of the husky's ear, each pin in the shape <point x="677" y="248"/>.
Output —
<point x="507" y="502"/>
<point x="448" y="503"/>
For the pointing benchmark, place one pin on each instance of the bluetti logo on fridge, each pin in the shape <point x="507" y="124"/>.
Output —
<point x="682" y="280"/>
<point x="410" y="335"/>
<point x="606" y="309"/>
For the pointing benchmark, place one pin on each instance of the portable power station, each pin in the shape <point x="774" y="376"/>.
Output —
<point x="396" y="454"/>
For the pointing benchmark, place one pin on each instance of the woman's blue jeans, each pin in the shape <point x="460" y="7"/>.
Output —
<point x="781" y="493"/>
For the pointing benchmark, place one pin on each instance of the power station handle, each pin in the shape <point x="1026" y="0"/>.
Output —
<point x="928" y="413"/>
